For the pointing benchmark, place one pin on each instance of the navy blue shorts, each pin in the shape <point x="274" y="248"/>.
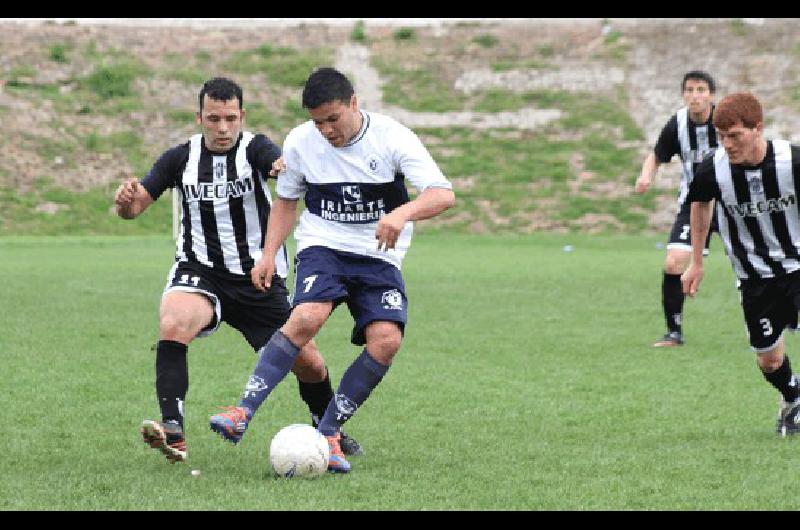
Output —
<point x="373" y="289"/>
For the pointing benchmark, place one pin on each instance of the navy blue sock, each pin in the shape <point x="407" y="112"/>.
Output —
<point x="357" y="383"/>
<point x="276" y="359"/>
<point x="172" y="379"/>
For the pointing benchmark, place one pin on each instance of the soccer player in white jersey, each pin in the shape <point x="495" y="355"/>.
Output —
<point x="221" y="175"/>
<point x="350" y="166"/>
<point x="690" y="135"/>
<point x="755" y="184"/>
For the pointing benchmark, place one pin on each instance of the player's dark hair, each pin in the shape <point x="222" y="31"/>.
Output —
<point x="326" y="85"/>
<point x="741" y="107"/>
<point x="699" y="75"/>
<point x="221" y="89"/>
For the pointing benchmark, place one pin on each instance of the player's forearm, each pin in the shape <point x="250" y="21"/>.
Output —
<point x="280" y="224"/>
<point x="649" y="167"/>
<point x="699" y="222"/>
<point x="429" y="203"/>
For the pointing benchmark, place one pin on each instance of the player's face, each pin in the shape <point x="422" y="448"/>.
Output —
<point x="741" y="143"/>
<point x="697" y="96"/>
<point x="222" y="122"/>
<point x="337" y="121"/>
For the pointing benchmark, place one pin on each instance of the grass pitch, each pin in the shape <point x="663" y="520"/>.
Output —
<point x="526" y="382"/>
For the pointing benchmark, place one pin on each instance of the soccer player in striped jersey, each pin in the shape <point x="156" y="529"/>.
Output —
<point x="755" y="184"/>
<point x="221" y="175"/>
<point x="351" y="168"/>
<point x="689" y="134"/>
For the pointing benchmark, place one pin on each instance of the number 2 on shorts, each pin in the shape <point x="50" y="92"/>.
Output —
<point x="309" y="281"/>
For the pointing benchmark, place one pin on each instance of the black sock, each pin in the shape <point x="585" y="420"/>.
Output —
<point x="672" y="297"/>
<point x="172" y="379"/>
<point x="784" y="380"/>
<point x="317" y="396"/>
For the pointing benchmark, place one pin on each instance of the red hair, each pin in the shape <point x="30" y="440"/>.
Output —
<point x="740" y="107"/>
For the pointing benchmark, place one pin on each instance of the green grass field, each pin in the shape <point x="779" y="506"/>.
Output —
<point x="526" y="382"/>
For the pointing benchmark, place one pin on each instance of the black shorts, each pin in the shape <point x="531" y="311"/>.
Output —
<point x="257" y="315"/>
<point x="770" y="306"/>
<point x="680" y="237"/>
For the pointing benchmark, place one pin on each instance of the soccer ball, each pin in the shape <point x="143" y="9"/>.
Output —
<point x="299" y="450"/>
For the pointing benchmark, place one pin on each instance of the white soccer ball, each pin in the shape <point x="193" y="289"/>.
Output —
<point x="299" y="450"/>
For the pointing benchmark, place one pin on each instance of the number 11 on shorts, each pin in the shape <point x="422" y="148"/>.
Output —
<point x="309" y="281"/>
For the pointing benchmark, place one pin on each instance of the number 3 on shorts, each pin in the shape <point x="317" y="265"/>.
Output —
<point x="309" y="281"/>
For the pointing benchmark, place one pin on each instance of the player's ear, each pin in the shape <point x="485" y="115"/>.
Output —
<point x="242" y="115"/>
<point x="198" y="118"/>
<point x="353" y="103"/>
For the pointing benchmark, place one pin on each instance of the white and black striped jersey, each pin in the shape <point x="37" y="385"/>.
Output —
<point x="348" y="189"/>
<point x="225" y="201"/>
<point x="691" y="141"/>
<point x="757" y="210"/>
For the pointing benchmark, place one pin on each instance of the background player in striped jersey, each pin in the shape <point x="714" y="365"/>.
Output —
<point x="755" y="184"/>
<point x="689" y="134"/>
<point x="221" y="175"/>
<point x="351" y="167"/>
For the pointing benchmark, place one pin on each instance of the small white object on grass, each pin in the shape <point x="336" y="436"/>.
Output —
<point x="659" y="245"/>
<point x="195" y="472"/>
<point x="567" y="248"/>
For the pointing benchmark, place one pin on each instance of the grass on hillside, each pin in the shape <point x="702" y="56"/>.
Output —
<point x="516" y="180"/>
<point x="526" y="381"/>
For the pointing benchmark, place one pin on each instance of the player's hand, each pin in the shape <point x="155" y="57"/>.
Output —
<point x="642" y="183"/>
<point x="126" y="193"/>
<point x="388" y="231"/>
<point x="690" y="280"/>
<point x="262" y="272"/>
<point x="277" y="166"/>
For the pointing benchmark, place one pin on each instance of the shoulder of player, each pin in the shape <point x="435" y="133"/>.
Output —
<point x="178" y="153"/>
<point x="299" y="134"/>
<point x="382" y="123"/>
<point x="256" y="140"/>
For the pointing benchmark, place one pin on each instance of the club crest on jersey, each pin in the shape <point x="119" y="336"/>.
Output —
<point x="351" y="194"/>
<point x="372" y="162"/>
<point x="219" y="169"/>
<point x="392" y="300"/>
<point x="754" y="182"/>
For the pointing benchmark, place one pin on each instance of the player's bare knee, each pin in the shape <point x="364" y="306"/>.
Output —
<point x="383" y="341"/>
<point x="172" y="327"/>
<point x="305" y="322"/>
<point x="769" y="361"/>
<point x="675" y="263"/>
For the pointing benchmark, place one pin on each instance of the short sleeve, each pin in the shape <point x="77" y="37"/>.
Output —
<point x="166" y="172"/>
<point x="291" y="181"/>
<point x="667" y="145"/>
<point x="415" y="162"/>
<point x="704" y="186"/>
<point x="262" y="152"/>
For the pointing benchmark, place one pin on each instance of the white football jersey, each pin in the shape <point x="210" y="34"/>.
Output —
<point x="348" y="189"/>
